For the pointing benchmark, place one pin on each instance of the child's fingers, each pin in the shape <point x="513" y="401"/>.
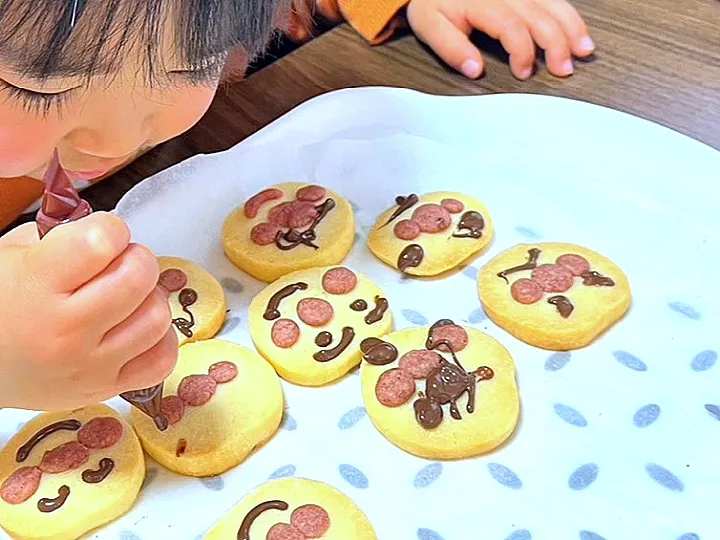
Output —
<point x="500" y="21"/>
<point x="547" y="34"/>
<point x="568" y="18"/>
<point x="72" y="254"/>
<point x="151" y="367"/>
<point x="140" y="332"/>
<point x="449" y="43"/>
<point x="114" y="294"/>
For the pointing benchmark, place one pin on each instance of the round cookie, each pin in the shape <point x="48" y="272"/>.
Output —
<point x="423" y="402"/>
<point x="308" y="324"/>
<point x="431" y="234"/>
<point x="222" y="401"/>
<point x="197" y="299"/>
<point x="289" y="227"/>
<point x="554" y="296"/>
<point x="65" y="474"/>
<point x="294" y="509"/>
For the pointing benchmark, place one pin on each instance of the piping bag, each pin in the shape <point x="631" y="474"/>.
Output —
<point x="62" y="204"/>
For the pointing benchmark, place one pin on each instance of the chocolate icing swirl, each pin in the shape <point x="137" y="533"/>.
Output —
<point x="187" y="298"/>
<point x="473" y="223"/>
<point x="252" y="515"/>
<point x="50" y="505"/>
<point x="593" y="278"/>
<point x="378" y="312"/>
<point x="531" y="264"/>
<point x="404" y="203"/>
<point x="293" y="238"/>
<point x="348" y="334"/>
<point x="271" y="311"/>
<point x="24" y="451"/>
<point x="378" y="352"/>
<point x="359" y="305"/>
<point x="563" y="305"/>
<point x="410" y="257"/>
<point x="96" y="476"/>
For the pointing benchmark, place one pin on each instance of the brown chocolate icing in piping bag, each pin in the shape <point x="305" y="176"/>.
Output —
<point x="62" y="204"/>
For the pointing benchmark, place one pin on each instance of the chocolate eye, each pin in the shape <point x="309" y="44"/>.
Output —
<point x="187" y="297"/>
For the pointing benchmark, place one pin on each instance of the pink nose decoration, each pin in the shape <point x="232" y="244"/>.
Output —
<point x="62" y="204"/>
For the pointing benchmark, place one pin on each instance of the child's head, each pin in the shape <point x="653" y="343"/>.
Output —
<point x="103" y="79"/>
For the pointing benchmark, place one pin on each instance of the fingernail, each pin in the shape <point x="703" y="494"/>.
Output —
<point x="568" y="67"/>
<point x="525" y="74"/>
<point x="471" y="69"/>
<point x="586" y="44"/>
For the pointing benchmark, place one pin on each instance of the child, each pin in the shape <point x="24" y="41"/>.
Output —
<point x="82" y="317"/>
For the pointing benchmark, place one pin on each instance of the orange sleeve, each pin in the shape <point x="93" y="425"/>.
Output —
<point x="16" y="195"/>
<point x="374" y="20"/>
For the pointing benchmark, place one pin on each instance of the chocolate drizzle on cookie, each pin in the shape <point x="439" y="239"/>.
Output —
<point x="252" y="515"/>
<point x="473" y="223"/>
<point x="348" y="334"/>
<point x="50" y="505"/>
<point x="24" y="451"/>
<point x="378" y="352"/>
<point x="404" y="203"/>
<point x="187" y="297"/>
<point x="533" y="256"/>
<point x="410" y="257"/>
<point x="359" y="305"/>
<point x="593" y="278"/>
<point x="292" y="238"/>
<point x="563" y="304"/>
<point x="378" y="312"/>
<point x="323" y="339"/>
<point x="271" y="311"/>
<point x="96" y="476"/>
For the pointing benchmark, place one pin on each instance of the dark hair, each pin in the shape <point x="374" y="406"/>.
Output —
<point x="48" y="38"/>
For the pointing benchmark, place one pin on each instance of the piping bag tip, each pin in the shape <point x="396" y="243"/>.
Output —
<point x="62" y="204"/>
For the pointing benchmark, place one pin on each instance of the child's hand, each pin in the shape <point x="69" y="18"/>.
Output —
<point x="81" y="316"/>
<point x="554" y="25"/>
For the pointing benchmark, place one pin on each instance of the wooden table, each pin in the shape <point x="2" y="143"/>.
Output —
<point x="656" y="59"/>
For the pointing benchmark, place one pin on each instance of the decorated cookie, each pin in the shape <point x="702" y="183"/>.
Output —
<point x="196" y="298"/>
<point x="431" y="234"/>
<point x="444" y="392"/>
<point x="289" y="227"/>
<point x="221" y="402"/>
<point x="308" y="324"/>
<point x="65" y="474"/>
<point x="294" y="509"/>
<point x="554" y="296"/>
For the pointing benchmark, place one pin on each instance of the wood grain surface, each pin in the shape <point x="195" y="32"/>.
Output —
<point x="657" y="59"/>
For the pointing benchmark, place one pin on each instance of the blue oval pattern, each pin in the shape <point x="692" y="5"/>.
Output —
<point x="427" y="534"/>
<point x="527" y="233"/>
<point x="283" y="472"/>
<point x="414" y="317"/>
<point x="229" y="325"/>
<point x="704" y="360"/>
<point x="352" y="417"/>
<point x="685" y="309"/>
<point x="504" y="476"/>
<point x="470" y="272"/>
<point x="128" y="535"/>
<point x="353" y="476"/>
<point x="664" y="477"/>
<point x="689" y="536"/>
<point x="714" y="410"/>
<point x="589" y="535"/>
<point x="646" y="415"/>
<point x="557" y="361"/>
<point x="428" y="475"/>
<point x="289" y="422"/>
<point x="477" y="316"/>
<point x="628" y="360"/>
<point x="231" y="285"/>
<point x="213" y="483"/>
<point x="570" y="415"/>
<point x="583" y="476"/>
<point x="522" y="534"/>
